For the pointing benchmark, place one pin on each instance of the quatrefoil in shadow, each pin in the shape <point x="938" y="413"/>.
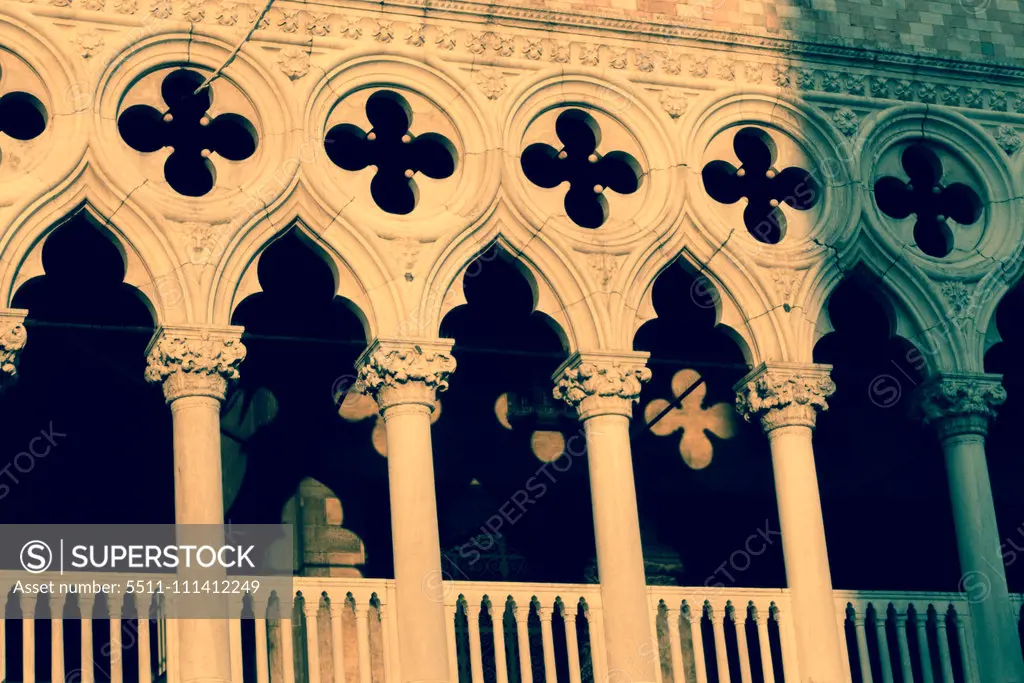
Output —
<point x="926" y="197"/>
<point x="186" y="128"/>
<point x="22" y="116"/>
<point x="763" y="186"/>
<point x="392" y="148"/>
<point x="579" y="163"/>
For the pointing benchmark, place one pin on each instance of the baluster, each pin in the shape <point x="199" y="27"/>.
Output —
<point x="310" y="609"/>
<point x="942" y="637"/>
<point x="363" y="638"/>
<point x="498" y="622"/>
<point x="764" y="644"/>
<point x="700" y="662"/>
<point x="675" y="646"/>
<point x="85" y="605"/>
<point x="656" y="650"/>
<point x="739" y="621"/>
<point x="287" y="639"/>
<point x="522" y="615"/>
<point x="966" y="651"/>
<point x="572" y="644"/>
<point x="145" y="653"/>
<point x="114" y="604"/>
<point x="598" y="658"/>
<point x="3" y="637"/>
<point x="923" y="649"/>
<point x="476" y="659"/>
<point x="452" y="609"/>
<point x="235" y="638"/>
<point x="901" y="639"/>
<point x="262" y="650"/>
<point x="337" y="611"/>
<point x="844" y="648"/>
<point x="883" y="645"/>
<point x="28" y="638"/>
<point x="173" y="651"/>
<point x="863" y="655"/>
<point x="548" y="643"/>
<point x="56" y="638"/>
<point x="721" y="655"/>
<point x="787" y="642"/>
<point x="389" y="641"/>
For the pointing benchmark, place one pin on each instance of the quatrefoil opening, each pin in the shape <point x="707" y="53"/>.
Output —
<point x="22" y="116"/>
<point x="392" y="148"/>
<point x="588" y="172"/>
<point x="192" y="134"/>
<point x="933" y="203"/>
<point x="763" y="186"/>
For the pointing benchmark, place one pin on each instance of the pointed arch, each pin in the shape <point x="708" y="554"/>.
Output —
<point x="558" y="286"/>
<point x="361" y="276"/>
<point x="150" y="263"/>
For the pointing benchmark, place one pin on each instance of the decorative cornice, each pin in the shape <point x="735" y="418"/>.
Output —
<point x="960" y="403"/>
<point x="399" y="372"/>
<point x="194" y="361"/>
<point x="647" y="48"/>
<point x="601" y="383"/>
<point x="12" y="340"/>
<point x="784" y="394"/>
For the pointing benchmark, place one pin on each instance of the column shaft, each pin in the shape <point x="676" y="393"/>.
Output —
<point x="404" y="378"/>
<point x="417" y="547"/>
<point x="803" y="545"/>
<point x="620" y="562"/>
<point x="981" y="563"/>
<point x="786" y="398"/>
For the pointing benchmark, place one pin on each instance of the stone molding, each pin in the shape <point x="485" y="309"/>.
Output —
<point x="398" y="372"/>
<point x="784" y="394"/>
<point x="786" y="64"/>
<point x="956" y="404"/>
<point x="13" y="338"/>
<point x="600" y="383"/>
<point x="194" y="361"/>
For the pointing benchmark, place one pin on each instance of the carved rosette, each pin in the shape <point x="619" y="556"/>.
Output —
<point x="194" y="361"/>
<point x="784" y="394"/>
<point x="398" y="373"/>
<point x="601" y="384"/>
<point x="12" y="340"/>
<point x="958" y="404"/>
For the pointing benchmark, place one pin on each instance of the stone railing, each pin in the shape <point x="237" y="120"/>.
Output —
<point x="343" y="631"/>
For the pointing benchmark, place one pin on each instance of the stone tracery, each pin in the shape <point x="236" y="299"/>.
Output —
<point x="188" y="129"/>
<point x="640" y="257"/>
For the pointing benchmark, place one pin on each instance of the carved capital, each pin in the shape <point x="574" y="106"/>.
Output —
<point x="194" y="361"/>
<point x="957" y="404"/>
<point x="397" y="372"/>
<point x="12" y="340"/>
<point x="784" y="394"/>
<point x="602" y="383"/>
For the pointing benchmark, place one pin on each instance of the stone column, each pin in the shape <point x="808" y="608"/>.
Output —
<point x="959" y="407"/>
<point x="194" y="365"/>
<point x="602" y="388"/>
<point x="785" y="398"/>
<point x="404" y="378"/>
<point x="12" y="340"/>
